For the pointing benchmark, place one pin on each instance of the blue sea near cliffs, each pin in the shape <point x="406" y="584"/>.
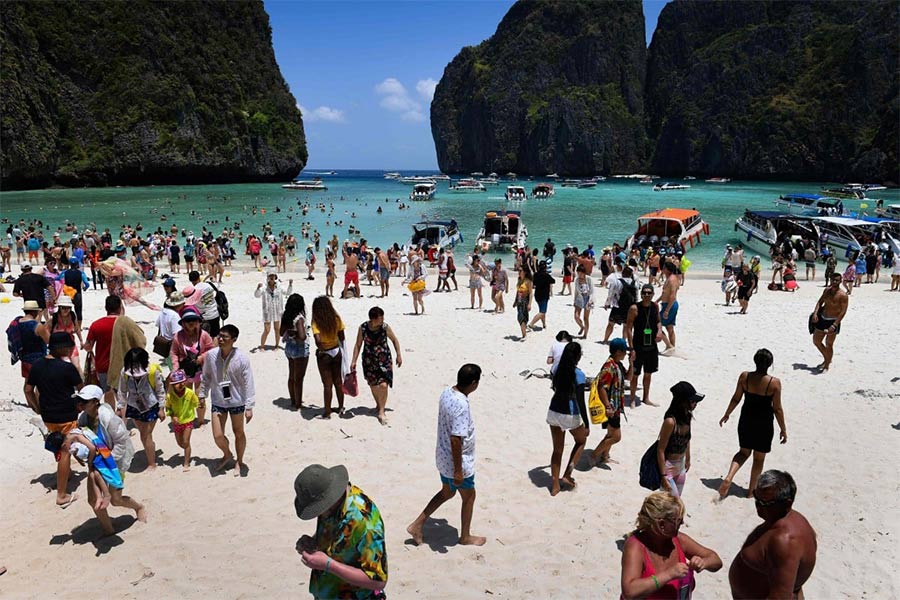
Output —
<point x="600" y="215"/>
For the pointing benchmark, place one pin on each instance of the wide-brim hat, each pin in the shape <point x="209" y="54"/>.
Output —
<point x="317" y="488"/>
<point x="191" y="295"/>
<point x="31" y="305"/>
<point x="189" y="314"/>
<point x="176" y="298"/>
<point x="63" y="300"/>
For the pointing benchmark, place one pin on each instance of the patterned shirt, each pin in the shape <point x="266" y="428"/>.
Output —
<point x="612" y="377"/>
<point x="353" y="536"/>
<point x="455" y="420"/>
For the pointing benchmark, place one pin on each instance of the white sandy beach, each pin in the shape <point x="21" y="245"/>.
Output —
<point x="234" y="537"/>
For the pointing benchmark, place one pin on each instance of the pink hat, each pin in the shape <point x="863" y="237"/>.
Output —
<point x="191" y="295"/>
<point x="178" y="376"/>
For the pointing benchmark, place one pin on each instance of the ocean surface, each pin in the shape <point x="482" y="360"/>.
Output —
<point x="600" y="215"/>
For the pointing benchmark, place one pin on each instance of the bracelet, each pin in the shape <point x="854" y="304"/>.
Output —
<point x="328" y="564"/>
<point x="655" y="580"/>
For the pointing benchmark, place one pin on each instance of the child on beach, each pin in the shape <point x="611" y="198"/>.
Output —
<point x="90" y="449"/>
<point x="181" y="405"/>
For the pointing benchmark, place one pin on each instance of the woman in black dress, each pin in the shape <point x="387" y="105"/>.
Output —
<point x="762" y="404"/>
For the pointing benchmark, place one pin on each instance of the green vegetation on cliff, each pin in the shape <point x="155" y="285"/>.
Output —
<point x="139" y="92"/>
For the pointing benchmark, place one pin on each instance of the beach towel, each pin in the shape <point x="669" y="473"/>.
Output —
<point x="126" y="335"/>
<point x="104" y="463"/>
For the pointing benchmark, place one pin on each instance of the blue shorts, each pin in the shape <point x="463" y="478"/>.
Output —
<point x="467" y="484"/>
<point x="665" y="322"/>
<point x="542" y="305"/>
<point x="147" y="417"/>
<point x="231" y="410"/>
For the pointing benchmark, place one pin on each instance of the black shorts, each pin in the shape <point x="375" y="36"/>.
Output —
<point x="618" y="315"/>
<point x="744" y="293"/>
<point x="646" y="360"/>
<point x="233" y="410"/>
<point x="824" y="324"/>
<point x="211" y="326"/>
<point x="614" y="422"/>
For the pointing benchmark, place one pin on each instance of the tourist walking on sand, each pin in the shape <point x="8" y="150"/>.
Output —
<point x="499" y="285"/>
<point x="228" y="382"/>
<point x="642" y="333"/>
<point x="347" y="556"/>
<point x="567" y="412"/>
<point x="64" y="320"/>
<point x="673" y="451"/>
<point x="522" y="303"/>
<point x="455" y="456"/>
<point x="762" y="405"/>
<point x="272" y="296"/>
<point x="310" y="261"/>
<point x="747" y="283"/>
<point x="29" y="341"/>
<point x="621" y="295"/>
<point x="583" y="301"/>
<point x="611" y="387"/>
<point x="202" y="296"/>
<point x="372" y="338"/>
<point x="780" y="554"/>
<point x="668" y="304"/>
<point x="181" y="405"/>
<point x="100" y="418"/>
<point x="658" y="560"/>
<point x="293" y="331"/>
<point x="141" y="396"/>
<point x="477" y="273"/>
<point x="417" y="283"/>
<point x="189" y="348"/>
<point x="351" y="272"/>
<point x="384" y="270"/>
<point x="563" y="339"/>
<point x="328" y="331"/>
<point x="99" y="342"/>
<point x="543" y="289"/>
<point x="826" y="318"/>
<point x="568" y="271"/>
<point x="330" y="272"/>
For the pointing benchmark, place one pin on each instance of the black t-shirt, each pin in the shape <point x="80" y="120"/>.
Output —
<point x="746" y="280"/>
<point x="542" y="283"/>
<point x="175" y="251"/>
<point x="31" y="286"/>
<point x="56" y="380"/>
<point x="72" y="278"/>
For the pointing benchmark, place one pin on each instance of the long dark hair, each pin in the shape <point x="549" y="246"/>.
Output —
<point x="294" y="306"/>
<point x="564" y="378"/>
<point x="680" y="410"/>
<point x="324" y="316"/>
<point x="136" y="358"/>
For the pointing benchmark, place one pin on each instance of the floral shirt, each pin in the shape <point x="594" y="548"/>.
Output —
<point x="612" y="377"/>
<point x="353" y="536"/>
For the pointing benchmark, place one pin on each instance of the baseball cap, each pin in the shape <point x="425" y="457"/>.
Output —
<point x="683" y="389"/>
<point x="618" y="345"/>
<point x="169" y="282"/>
<point x="88" y="392"/>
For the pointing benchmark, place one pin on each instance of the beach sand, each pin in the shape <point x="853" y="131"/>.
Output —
<point x="234" y="537"/>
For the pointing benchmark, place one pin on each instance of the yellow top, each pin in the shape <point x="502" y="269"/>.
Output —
<point x="182" y="409"/>
<point x="328" y="341"/>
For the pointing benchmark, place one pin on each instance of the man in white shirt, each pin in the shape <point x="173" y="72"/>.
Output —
<point x="455" y="455"/>
<point x="563" y="338"/>
<point x="206" y="303"/>
<point x="228" y="382"/>
<point x="168" y="320"/>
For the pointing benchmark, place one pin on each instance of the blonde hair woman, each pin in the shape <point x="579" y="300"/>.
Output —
<point x="658" y="561"/>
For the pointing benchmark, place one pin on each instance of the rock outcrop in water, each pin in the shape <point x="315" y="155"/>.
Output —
<point x="140" y="92"/>
<point x="764" y="89"/>
<point x="558" y="87"/>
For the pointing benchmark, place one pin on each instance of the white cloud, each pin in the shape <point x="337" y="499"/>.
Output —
<point x="425" y="87"/>
<point x="396" y="98"/>
<point x="322" y="113"/>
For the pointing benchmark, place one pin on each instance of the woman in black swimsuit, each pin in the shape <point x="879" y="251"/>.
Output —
<point x="673" y="452"/>
<point x="762" y="404"/>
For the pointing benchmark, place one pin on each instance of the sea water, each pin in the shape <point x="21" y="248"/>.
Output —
<point x="600" y="216"/>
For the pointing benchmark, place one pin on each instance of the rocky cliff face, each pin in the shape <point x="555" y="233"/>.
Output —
<point x="141" y="92"/>
<point x="558" y="88"/>
<point x="775" y="90"/>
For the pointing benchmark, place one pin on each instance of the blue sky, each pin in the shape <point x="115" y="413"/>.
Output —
<point x="364" y="72"/>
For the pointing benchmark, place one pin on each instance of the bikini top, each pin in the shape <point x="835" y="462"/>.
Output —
<point x="678" y="442"/>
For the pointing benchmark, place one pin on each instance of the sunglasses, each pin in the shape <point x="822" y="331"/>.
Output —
<point x="647" y="293"/>
<point x="767" y="503"/>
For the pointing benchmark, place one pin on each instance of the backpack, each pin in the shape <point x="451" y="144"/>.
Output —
<point x="221" y="302"/>
<point x="628" y="295"/>
<point x="14" y="340"/>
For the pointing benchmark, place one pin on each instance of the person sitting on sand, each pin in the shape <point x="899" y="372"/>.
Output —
<point x="659" y="561"/>
<point x="780" y="554"/>
<point x="831" y="307"/>
<point x="455" y="455"/>
<point x="762" y="404"/>
<point x="347" y="557"/>
<point x="567" y="412"/>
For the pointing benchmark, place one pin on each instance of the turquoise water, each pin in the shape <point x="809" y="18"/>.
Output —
<point x="600" y="215"/>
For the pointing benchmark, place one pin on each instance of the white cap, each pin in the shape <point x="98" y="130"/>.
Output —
<point x="89" y="392"/>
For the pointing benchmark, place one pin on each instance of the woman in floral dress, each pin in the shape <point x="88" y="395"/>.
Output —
<point x="376" y="357"/>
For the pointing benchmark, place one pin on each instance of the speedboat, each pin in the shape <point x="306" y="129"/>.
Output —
<point x="414" y="179"/>
<point x="423" y="191"/>
<point x="598" y="178"/>
<point x="477" y="174"/>
<point x="392" y="175"/>
<point x="542" y="191"/>
<point x="665" y="187"/>
<point x="489" y="180"/>
<point x="892" y="211"/>
<point x="689" y="178"/>
<point x="441" y="177"/>
<point x="810" y="204"/>
<point x="465" y="186"/>
<point x="763" y="229"/>
<point x="681" y="225"/>
<point x="502" y="230"/>
<point x="552" y="176"/>
<point x="850" y="192"/>
<point x="515" y="193"/>
<point x="718" y="180"/>
<point x="443" y="234"/>
<point x="570" y="182"/>
<point x="316" y="185"/>
<point x="586" y="184"/>
<point x="511" y="176"/>
<point x="646" y="179"/>
<point x="845" y="234"/>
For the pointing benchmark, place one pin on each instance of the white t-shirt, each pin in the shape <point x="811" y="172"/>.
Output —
<point x="207" y="306"/>
<point x="168" y="324"/>
<point x="455" y="419"/>
<point x="556" y="351"/>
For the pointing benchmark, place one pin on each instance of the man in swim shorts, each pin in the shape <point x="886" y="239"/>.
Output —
<point x="668" y="304"/>
<point x="826" y="319"/>
<point x="351" y="262"/>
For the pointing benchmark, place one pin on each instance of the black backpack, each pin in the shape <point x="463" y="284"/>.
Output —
<point x="628" y="295"/>
<point x="221" y="302"/>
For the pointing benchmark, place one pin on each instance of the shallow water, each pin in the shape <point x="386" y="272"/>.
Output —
<point x="600" y="215"/>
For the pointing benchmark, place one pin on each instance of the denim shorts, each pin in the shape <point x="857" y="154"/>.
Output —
<point x="231" y="410"/>
<point x="467" y="484"/>
<point x="294" y="349"/>
<point x="147" y="417"/>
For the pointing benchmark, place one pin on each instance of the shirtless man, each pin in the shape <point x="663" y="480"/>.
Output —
<point x="351" y="275"/>
<point x="826" y="318"/>
<point x="779" y="555"/>
<point x="384" y="270"/>
<point x="668" y="305"/>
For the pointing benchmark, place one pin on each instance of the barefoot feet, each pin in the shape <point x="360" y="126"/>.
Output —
<point x="415" y="531"/>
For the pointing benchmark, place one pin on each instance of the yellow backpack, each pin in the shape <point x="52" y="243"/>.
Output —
<point x="596" y="408"/>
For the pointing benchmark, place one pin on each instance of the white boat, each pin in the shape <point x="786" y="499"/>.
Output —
<point x="392" y="175"/>
<point x="570" y="182"/>
<point x="441" y="177"/>
<point x="511" y="176"/>
<point x="423" y="191"/>
<point x="542" y="191"/>
<point x="467" y="186"/>
<point x="587" y="183"/>
<point x="665" y="187"/>
<point x="315" y="185"/>
<point x="844" y="234"/>
<point x="477" y="174"/>
<point x="851" y="192"/>
<point x="892" y="211"/>
<point x="718" y="180"/>
<point x="502" y="230"/>
<point x="647" y="179"/>
<point x="679" y="225"/>
<point x="552" y="176"/>
<point x="762" y="229"/>
<point x="444" y="234"/>
<point x="598" y="178"/>
<point x="515" y="193"/>
<point x="810" y="204"/>
<point x="689" y="178"/>
<point x="414" y="179"/>
<point x="489" y="181"/>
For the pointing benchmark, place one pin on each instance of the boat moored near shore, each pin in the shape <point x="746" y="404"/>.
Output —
<point x="502" y="230"/>
<point x="679" y="226"/>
